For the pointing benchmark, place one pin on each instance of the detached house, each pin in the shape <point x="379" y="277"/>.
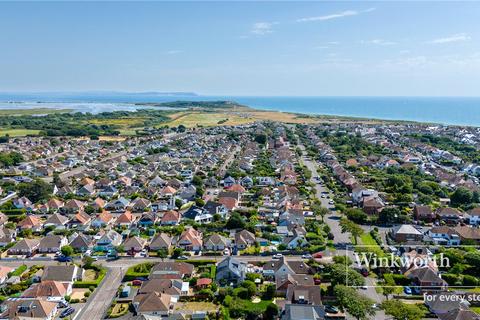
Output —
<point x="190" y="240"/>
<point x="231" y="270"/>
<point x="25" y="247"/>
<point x="108" y="240"/>
<point x="161" y="241"/>
<point x="52" y="243"/>
<point x="216" y="242"/>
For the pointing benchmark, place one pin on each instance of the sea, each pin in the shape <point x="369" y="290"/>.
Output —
<point x="441" y="110"/>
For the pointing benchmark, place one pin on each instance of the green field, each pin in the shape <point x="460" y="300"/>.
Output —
<point x="18" y="132"/>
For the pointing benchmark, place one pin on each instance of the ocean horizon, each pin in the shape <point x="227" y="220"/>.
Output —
<point x="441" y="110"/>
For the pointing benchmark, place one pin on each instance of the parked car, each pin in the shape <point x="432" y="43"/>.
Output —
<point x="307" y="256"/>
<point x="364" y="272"/>
<point x="64" y="259"/>
<point x="277" y="256"/>
<point x="331" y="309"/>
<point x="182" y="258"/>
<point x="65" y="313"/>
<point x="407" y="290"/>
<point x="137" y="282"/>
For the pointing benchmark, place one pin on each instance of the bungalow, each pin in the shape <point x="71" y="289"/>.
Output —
<point x="282" y="267"/>
<point x="66" y="274"/>
<point x="244" y="239"/>
<point x="171" y="270"/>
<point x="140" y="204"/>
<point x="29" y="309"/>
<point x="126" y="219"/>
<point x="153" y="304"/>
<point x="304" y="294"/>
<point x="108" y="192"/>
<point x="55" y="204"/>
<point x="73" y="206"/>
<point x="98" y="204"/>
<point x="174" y="287"/>
<point x="7" y="236"/>
<point x="216" y="242"/>
<point x="282" y="283"/>
<point x="170" y="218"/>
<point x="24" y="247"/>
<point x="147" y="219"/>
<point x="49" y="289"/>
<point x="118" y="204"/>
<point x="57" y="221"/>
<point x="134" y="244"/>
<point x="190" y="240"/>
<point x="23" y="203"/>
<point x="52" y="243"/>
<point x="80" y="221"/>
<point x="81" y="243"/>
<point x="161" y="241"/>
<point x="30" y="222"/>
<point x="102" y="220"/>
<point x="86" y="191"/>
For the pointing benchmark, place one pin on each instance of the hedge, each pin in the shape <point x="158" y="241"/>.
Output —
<point x="132" y="274"/>
<point x="87" y="284"/>
<point x="17" y="272"/>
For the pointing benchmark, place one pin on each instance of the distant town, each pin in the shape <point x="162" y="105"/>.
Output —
<point x="227" y="213"/>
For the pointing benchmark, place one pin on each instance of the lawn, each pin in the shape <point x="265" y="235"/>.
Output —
<point x="118" y="310"/>
<point x="18" y="132"/>
<point x="207" y="119"/>
<point x="90" y="275"/>
<point x="197" y="306"/>
<point x="369" y="244"/>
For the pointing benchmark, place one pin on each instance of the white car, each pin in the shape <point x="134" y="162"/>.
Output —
<point x="277" y="256"/>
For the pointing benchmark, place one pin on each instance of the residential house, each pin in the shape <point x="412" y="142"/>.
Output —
<point x="153" y="303"/>
<point x="161" y="241"/>
<point x="29" y="309"/>
<point x="102" y="220"/>
<point x="30" y="222"/>
<point x="49" y="289"/>
<point x="231" y="270"/>
<point x="216" y="242"/>
<point x="66" y="274"/>
<point x="108" y="240"/>
<point x="126" y="219"/>
<point x="25" y="247"/>
<point x="81" y="243"/>
<point x="134" y="244"/>
<point x="52" y="243"/>
<point x="406" y="233"/>
<point x="171" y="270"/>
<point x="56" y="221"/>
<point x="244" y="239"/>
<point x="423" y="213"/>
<point x="170" y="218"/>
<point x="190" y="240"/>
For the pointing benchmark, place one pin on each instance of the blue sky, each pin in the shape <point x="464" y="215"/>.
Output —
<point x="250" y="48"/>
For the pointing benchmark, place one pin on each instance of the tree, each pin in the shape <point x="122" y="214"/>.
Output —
<point x="235" y="221"/>
<point x="389" y="215"/>
<point x="320" y="211"/>
<point x="251" y="287"/>
<point x="461" y="196"/>
<point x="162" y="253"/>
<point x="354" y="303"/>
<point x="351" y="227"/>
<point x="271" y="312"/>
<point x="269" y="292"/>
<point x="403" y="311"/>
<point x="67" y="251"/>
<point x="36" y="190"/>
<point x="342" y="274"/>
<point x="177" y="252"/>
<point x="356" y="215"/>
<point x="261" y="138"/>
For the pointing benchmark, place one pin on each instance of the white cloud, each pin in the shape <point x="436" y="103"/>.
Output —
<point x="343" y="14"/>
<point x="262" y="28"/>
<point x="379" y="42"/>
<point x="453" y="38"/>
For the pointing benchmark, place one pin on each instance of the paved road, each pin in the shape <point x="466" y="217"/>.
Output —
<point x="341" y="240"/>
<point x="98" y="303"/>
